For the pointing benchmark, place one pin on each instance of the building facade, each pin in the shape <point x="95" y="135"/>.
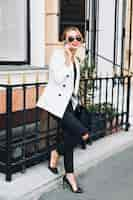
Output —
<point x="31" y="31"/>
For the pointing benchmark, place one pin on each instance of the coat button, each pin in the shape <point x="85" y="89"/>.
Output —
<point x="64" y="85"/>
<point x="67" y="75"/>
<point x="59" y="94"/>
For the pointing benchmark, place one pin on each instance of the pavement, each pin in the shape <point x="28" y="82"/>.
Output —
<point x="38" y="180"/>
<point x="111" y="179"/>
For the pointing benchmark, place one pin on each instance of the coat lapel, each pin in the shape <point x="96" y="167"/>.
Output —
<point x="77" y="77"/>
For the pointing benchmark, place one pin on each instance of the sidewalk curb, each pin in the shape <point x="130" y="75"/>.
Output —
<point x="41" y="180"/>
<point x="92" y="162"/>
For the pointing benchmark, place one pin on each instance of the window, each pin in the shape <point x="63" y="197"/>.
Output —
<point x="14" y="36"/>
<point x="72" y="13"/>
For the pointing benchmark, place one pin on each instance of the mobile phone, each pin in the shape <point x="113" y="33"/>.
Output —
<point x="66" y="45"/>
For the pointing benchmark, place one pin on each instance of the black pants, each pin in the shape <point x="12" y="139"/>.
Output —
<point x="73" y="130"/>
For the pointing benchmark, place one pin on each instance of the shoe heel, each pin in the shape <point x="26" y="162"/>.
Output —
<point x="83" y="144"/>
<point x="67" y="185"/>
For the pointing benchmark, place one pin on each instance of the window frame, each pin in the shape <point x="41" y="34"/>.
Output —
<point x="28" y="39"/>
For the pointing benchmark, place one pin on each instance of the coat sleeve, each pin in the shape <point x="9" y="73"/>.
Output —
<point x="58" y="68"/>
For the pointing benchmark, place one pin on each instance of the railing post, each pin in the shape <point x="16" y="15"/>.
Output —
<point x="128" y="102"/>
<point x="8" y="132"/>
<point x="24" y="125"/>
<point x="85" y="91"/>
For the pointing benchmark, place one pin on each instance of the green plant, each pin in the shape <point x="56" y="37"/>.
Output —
<point x="86" y="69"/>
<point x="105" y="108"/>
<point x="87" y="73"/>
<point x="109" y="110"/>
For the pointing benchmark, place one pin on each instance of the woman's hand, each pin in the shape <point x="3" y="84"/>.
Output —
<point x="68" y="56"/>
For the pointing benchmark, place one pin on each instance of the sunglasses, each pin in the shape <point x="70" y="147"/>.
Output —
<point x="71" y="38"/>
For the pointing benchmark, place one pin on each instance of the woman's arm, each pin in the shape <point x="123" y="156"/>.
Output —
<point x="58" y="66"/>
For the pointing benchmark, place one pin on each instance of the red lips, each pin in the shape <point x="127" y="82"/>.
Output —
<point x="75" y="43"/>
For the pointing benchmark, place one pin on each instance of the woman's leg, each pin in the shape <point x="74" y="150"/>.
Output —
<point x="68" y="161"/>
<point x="54" y="157"/>
<point x="74" y="127"/>
<point x="68" y="154"/>
<point x="54" y="154"/>
<point x="69" y="169"/>
<point x="72" y="132"/>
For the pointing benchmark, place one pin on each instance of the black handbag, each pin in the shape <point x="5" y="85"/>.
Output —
<point x="95" y="122"/>
<point x="84" y="116"/>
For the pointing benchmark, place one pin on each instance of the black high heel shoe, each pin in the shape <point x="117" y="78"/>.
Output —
<point x="89" y="141"/>
<point x="54" y="170"/>
<point x="83" y="144"/>
<point x="67" y="183"/>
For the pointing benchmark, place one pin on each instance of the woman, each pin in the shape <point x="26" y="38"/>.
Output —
<point x="60" y="98"/>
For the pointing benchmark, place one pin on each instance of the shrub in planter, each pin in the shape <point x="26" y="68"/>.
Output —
<point x="111" y="117"/>
<point x="96" y="122"/>
<point x="102" y="119"/>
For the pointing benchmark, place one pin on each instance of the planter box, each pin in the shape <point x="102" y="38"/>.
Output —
<point x="94" y="121"/>
<point x="97" y="124"/>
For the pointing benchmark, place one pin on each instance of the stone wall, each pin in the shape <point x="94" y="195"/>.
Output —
<point x="51" y="28"/>
<point x="128" y="42"/>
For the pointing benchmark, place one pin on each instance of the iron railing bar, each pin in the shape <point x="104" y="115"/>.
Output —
<point x="106" y="94"/>
<point x="100" y="93"/>
<point x="36" y="119"/>
<point x="20" y="85"/>
<point x="8" y="132"/>
<point x="32" y="134"/>
<point x="117" y="103"/>
<point x="32" y="157"/>
<point x="24" y="126"/>
<point x="128" y="102"/>
<point x="123" y="100"/>
<point x="32" y="140"/>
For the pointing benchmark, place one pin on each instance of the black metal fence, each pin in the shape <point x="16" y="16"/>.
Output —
<point x="28" y="135"/>
<point x="108" y="102"/>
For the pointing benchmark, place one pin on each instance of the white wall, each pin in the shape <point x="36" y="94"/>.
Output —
<point x="37" y="32"/>
<point x="106" y="36"/>
<point x="13" y="30"/>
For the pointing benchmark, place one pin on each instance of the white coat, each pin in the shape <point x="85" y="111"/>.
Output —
<point x="58" y="92"/>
